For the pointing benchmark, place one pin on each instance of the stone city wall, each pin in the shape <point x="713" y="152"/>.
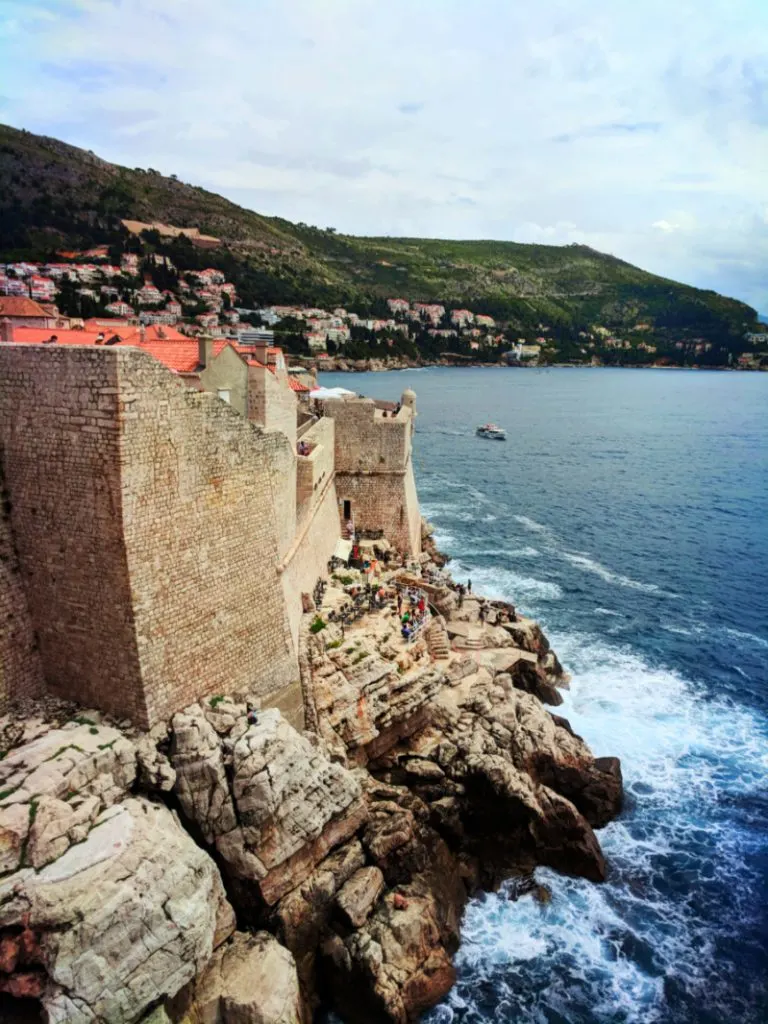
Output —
<point x="384" y="502"/>
<point x="143" y="515"/>
<point x="61" y="452"/>
<point x="21" y="674"/>
<point x="202" y="544"/>
<point x="366" y="441"/>
<point x="314" y="470"/>
<point x="271" y="403"/>
<point x="374" y="472"/>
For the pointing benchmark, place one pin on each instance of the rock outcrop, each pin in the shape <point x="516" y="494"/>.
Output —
<point x="286" y="808"/>
<point x="119" y="922"/>
<point x="515" y="788"/>
<point x="250" y="980"/>
<point x="433" y="769"/>
<point x="53" y="788"/>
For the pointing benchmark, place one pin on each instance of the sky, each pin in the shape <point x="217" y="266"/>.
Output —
<point x="638" y="127"/>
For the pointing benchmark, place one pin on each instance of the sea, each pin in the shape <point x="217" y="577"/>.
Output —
<point x="627" y="511"/>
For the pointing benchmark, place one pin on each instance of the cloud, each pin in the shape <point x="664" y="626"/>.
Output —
<point x="639" y="128"/>
<point x="616" y="128"/>
<point x="410" y="108"/>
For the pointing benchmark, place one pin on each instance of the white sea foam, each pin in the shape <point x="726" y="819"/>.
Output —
<point x="606" y="953"/>
<point x="741" y="635"/>
<point x="525" y="552"/>
<point x="582" y="561"/>
<point x="508" y="585"/>
<point x="531" y="524"/>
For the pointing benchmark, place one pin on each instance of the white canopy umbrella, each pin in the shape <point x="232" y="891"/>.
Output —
<point x="324" y="393"/>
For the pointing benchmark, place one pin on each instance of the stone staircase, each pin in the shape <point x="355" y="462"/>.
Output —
<point x="437" y="641"/>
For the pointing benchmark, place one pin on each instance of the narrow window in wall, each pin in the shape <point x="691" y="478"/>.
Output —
<point x="347" y="509"/>
<point x="225" y="395"/>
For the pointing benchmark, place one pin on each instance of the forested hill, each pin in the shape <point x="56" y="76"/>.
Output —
<point x="54" y="196"/>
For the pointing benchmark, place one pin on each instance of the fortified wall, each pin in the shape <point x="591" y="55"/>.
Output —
<point x="374" y="469"/>
<point x="156" y="546"/>
<point x="144" y="521"/>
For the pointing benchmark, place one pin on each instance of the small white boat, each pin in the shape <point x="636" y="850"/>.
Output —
<point x="492" y="432"/>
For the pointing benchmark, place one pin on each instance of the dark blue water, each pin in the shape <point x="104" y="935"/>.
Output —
<point x="628" y="512"/>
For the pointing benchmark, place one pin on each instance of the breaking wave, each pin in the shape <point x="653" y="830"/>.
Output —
<point x="582" y="561"/>
<point x="644" y="947"/>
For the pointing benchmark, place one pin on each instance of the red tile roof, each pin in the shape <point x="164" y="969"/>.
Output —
<point x="296" y="385"/>
<point x="39" y="335"/>
<point x="17" y="305"/>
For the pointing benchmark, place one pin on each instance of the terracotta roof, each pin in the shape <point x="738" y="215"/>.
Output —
<point x="17" y="305"/>
<point x="296" y="385"/>
<point x="38" y="335"/>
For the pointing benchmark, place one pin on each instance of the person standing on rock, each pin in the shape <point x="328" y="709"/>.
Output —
<point x="469" y="586"/>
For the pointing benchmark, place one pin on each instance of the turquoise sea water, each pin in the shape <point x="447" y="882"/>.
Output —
<point x="628" y="512"/>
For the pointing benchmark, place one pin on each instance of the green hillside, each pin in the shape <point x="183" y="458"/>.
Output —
<point x="55" y="196"/>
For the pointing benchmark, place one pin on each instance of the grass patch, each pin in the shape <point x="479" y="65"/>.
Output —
<point x="344" y="580"/>
<point x="214" y="701"/>
<point x="93" y="731"/>
<point x="349" y="650"/>
<point x="69" y="746"/>
<point x="82" y="720"/>
<point x="333" y="645"/>
<point x="317" y="625"/>
<point x="8" y="792"/>
<point x="107" y="746"/>
<point x="361" y="657"/>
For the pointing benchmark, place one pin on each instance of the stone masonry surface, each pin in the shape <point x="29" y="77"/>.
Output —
<point x="143" y="516"/>
<point x="21" y="674"/>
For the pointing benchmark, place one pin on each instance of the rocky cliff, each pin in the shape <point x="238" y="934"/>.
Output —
<point x="221" y="869"/>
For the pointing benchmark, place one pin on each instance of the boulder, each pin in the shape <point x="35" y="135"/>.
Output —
<point x="201" y="782"/>
<point x="293" y="807"/>
<point x="357" y="897"/>
<point x="118" y="923"/>
<point x="54" y="787"/>
<point x="393" y="969"/>
<point x="250" y="980"/>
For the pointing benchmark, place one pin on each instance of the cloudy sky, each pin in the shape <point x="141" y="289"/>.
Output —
<point x="639" y="127"/>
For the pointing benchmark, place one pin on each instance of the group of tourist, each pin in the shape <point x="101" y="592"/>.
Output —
<point x="414" y="616"/>
<point x="303" y="448"/>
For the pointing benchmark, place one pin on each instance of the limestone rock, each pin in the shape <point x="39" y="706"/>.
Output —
<point x="305" y="913"/>
<point x="14" y="828"/>
<point x="120" y="921"/>
<point x="57" y="825"/>
<point x="394" y="968"/>
<point x="251" y="980"/>
<point x="82" y="759"/>
<point x="531" y="789"/>
<point x="358" y="896"/>
<point x="54" y="786"/>
<point x="293" y="807"/>
<point x="201" y="782"/>
<point x="155" y="772"/>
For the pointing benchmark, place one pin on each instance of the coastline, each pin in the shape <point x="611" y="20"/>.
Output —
<point x="383" y="366"/>
<point x="420" y="748"/>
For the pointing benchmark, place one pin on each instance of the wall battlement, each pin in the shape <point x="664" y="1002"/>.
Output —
<point x="374" y="469"/>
